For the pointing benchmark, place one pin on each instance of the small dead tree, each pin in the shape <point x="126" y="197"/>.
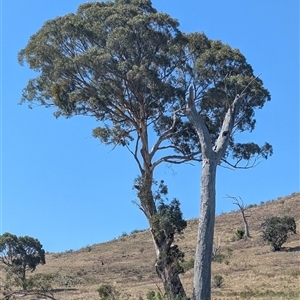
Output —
<point x="240" y="203"/>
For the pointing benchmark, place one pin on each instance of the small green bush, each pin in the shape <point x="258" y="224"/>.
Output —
<point x="240" y="233"/>
<point x="251" y="205"/>
<point x="137" y="231"/>
<point x="218" y="281"/>
<point x="108" y="292"/>
<point x="188" y="264"/>
<point x="151" y="295"/>
<point x="219" y="257"/>
<point x="124" y="234"/>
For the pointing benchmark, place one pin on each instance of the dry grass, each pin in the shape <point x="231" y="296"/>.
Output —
<point x="249" y="268"/>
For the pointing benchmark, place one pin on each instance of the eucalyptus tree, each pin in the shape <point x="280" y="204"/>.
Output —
<point x="221" y="95"/>
<point x="20" y="255"/>
<point x="115" y="62"/>
<point x="164" y="95"/>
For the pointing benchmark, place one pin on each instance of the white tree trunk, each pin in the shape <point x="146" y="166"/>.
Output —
<point x="211" y="156"/>
<point x="202" y="268"/>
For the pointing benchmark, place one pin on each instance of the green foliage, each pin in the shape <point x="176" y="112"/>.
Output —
<point x="123" y="235"/>
<point x="130" y="68"/>
<point x="251" y="205"/>
<point x="41" y="282"/>
<point x="240" y="233"/>
<point x="165" y="224"/>
<point x="21" y="254"/>
<point x="139" y="277"/>
<point x="108" y="292"/>
<point x="135" y="231"/>
<point x="173" y="258"/>
<point x="219" y="257"/>
<point x="96" y="61"/>
<point x="276" y="230"/>
<point x="218" y="281"/>
<point x="188" y="264"/>
<point x="229" y="251"/>
<point x="168" y="220"/>
<point x="151" y="295"/>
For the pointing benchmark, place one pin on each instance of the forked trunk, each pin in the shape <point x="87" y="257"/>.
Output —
<point x="202" y="268"/>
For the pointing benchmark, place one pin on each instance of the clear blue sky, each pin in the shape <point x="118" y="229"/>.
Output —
<point x="63" y="187"/>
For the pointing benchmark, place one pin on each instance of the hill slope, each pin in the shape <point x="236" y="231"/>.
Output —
<point x="249" y="267"/>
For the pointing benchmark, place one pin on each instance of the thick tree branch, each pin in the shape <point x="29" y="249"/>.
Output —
<point x="228" y="123"/>
<point x="227" y="126"/>
<point x="135" y="153"/>
<point x="177" y="159"/>
<point x="196" y="120"/>
<point x="163" y="137"/>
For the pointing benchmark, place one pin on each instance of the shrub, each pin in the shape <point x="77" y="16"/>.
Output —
<point x="219" y="257"/>
<point x="152" y="296"/>
<point x="251" y="205"/>
<point x="124" y="234"/>
<point x="139" y="277"/>
<point x="137" y="231"/>
<point x="276" y="230"/>
<point x="218" y="281"/>
<point x="108" y="292"/>
<point x="240" y="233"/>
<point x="189" y="264"/>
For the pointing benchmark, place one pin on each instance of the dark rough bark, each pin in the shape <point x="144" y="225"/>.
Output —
<point x="167" y="271"/>
<point x="166" y="265"/>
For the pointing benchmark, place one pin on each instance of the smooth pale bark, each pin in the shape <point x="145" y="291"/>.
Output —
<point x="203" y="256"/>
<point x="211" y="156"/>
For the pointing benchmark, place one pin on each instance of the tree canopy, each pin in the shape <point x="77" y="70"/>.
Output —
<point x="165" y="95"/>
<point x="130" y="67"/>
<point x="21" y="254"/>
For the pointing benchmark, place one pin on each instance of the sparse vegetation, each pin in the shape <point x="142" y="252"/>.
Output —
<point x="219" y="257"/>
<point x="131" y="273"/>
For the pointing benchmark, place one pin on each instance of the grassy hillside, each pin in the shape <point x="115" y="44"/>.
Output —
<point x="249" y="268"/>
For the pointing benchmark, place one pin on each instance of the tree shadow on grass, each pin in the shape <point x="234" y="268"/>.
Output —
<point x="62" y="290"/>
<point x="291" y="249"/>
